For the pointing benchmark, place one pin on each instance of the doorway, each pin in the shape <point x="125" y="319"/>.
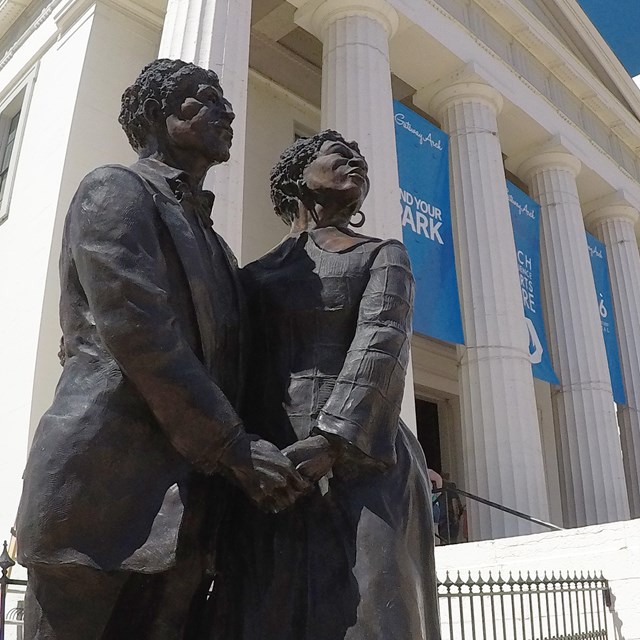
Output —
<point x="428" y="427"/>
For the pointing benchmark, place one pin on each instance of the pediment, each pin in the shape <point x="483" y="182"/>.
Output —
<point x="566" y="20"/>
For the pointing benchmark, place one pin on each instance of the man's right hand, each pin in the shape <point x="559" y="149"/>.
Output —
<point x="264" y="473"/>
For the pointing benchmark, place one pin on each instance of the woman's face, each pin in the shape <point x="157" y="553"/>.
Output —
<point x="338" y="178"/>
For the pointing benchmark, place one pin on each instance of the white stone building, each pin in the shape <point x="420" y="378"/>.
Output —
<point x="523" y="85"/>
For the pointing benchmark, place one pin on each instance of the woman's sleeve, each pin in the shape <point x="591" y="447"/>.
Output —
<point x="364" y="407"/>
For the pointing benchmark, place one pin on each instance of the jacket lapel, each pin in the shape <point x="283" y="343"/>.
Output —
<point x="172" y="214"/>
<point x="188" y="251"/>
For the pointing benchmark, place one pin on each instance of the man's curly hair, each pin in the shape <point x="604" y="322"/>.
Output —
<point x="166" y="81"/>
<point x="287" y="173"/>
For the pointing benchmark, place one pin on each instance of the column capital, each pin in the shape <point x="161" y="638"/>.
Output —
<point x="316" y="15"/>
<point x="615" y="206"/>
<point x="552" y="155"/>
<point x="467" y="83"/>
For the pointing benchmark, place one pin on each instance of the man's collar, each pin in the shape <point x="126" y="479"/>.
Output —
<point x="175" y="181"/>
<point x="164" y="170"/>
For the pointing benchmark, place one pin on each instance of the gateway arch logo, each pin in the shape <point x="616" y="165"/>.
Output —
<point x="435" y="142"/>
<point x="535" y="344"/>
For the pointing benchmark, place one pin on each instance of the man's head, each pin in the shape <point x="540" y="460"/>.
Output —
<point x="179" y="105"/>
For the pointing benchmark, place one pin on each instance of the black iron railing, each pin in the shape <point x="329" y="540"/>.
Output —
<point x="452" y="513"/>
<point x="556" y="607"/>
<point x="13" y="616"/>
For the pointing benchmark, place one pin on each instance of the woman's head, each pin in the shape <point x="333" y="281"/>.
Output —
<point x="325" y="173"/>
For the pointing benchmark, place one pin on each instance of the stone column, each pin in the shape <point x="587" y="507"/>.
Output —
<point x="613" y="223"/>
<point x="214" y="34"/>
<point x="592" y="482"/>
<point x="356" y="94"/>
<point x="501" y="438"/>
<point x="357" y="101"/>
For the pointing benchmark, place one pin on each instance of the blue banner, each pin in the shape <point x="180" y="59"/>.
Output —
<point x="423" y="167"/>
<point x="598" y="253"/>
<point x="525" y="217"/>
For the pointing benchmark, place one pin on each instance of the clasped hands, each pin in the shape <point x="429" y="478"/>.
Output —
<point x="275" y="479"/>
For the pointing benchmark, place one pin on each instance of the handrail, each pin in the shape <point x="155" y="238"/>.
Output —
<point x="500" y="507"/>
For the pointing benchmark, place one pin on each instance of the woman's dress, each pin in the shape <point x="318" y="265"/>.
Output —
<point x="354" y="559"/>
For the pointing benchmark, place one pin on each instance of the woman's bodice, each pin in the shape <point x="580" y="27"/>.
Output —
<point x="303" y="304"/>
<point x="331" y="319"/>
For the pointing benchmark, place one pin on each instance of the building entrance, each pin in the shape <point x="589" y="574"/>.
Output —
<point x="428" y="428"/>
<point x="448" y="508"/>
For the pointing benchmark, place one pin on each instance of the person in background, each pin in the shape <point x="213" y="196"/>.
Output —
<point x="436" y="483"/>
<point x="451" y="511"/>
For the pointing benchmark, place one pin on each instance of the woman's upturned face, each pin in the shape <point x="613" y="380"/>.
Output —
<point x="338" y="178"/>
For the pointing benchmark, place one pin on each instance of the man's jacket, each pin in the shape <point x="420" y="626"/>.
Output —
<point x="145" y="403"/>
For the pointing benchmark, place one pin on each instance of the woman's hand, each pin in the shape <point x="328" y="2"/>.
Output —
<point x="313" y="457"/>
<point x="266" y="475"/>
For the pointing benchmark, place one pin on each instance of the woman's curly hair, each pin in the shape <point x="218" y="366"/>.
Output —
<point x="287" y="173"/>
<point x="166" y="81"/>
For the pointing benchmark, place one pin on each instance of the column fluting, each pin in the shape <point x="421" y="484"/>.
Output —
<point x="613" y="224"/>
<point x="357" y="99"/>
<point x="214" y="34"/>
<point x="501" y="438"/>
<point x="592" y="482"/>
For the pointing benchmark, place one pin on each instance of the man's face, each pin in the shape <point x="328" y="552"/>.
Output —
<point x="202" y="124"/>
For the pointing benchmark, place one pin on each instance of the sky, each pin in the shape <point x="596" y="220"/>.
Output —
<point x="619" y="24"/>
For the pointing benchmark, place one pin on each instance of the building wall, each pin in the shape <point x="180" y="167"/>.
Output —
<point x="25" y="240"/>
<point x="71" y="127"/>
<point x="274" y="117"/>
<point x="119" y="46"/>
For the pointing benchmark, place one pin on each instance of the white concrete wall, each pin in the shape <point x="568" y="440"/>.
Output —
<point x="25" y="240"/>
<point x="613" y="549"/>
<point x="273" y="117"/>
<point x="118" y="48"/>
<point x="71" y="127"/>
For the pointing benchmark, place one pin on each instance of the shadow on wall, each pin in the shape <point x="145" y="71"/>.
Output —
<point x="617" y="622"/>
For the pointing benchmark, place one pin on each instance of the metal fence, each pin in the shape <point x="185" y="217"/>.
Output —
<point x="14" y="617"/>
<point x="11" y="600"/>
<point x="556" y="607"/>
<point x="562" y="607"/>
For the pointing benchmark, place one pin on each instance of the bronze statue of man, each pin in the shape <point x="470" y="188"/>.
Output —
<point x="144" y="423"/>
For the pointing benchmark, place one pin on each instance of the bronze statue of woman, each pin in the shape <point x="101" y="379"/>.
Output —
<point x="331" y="322"/>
